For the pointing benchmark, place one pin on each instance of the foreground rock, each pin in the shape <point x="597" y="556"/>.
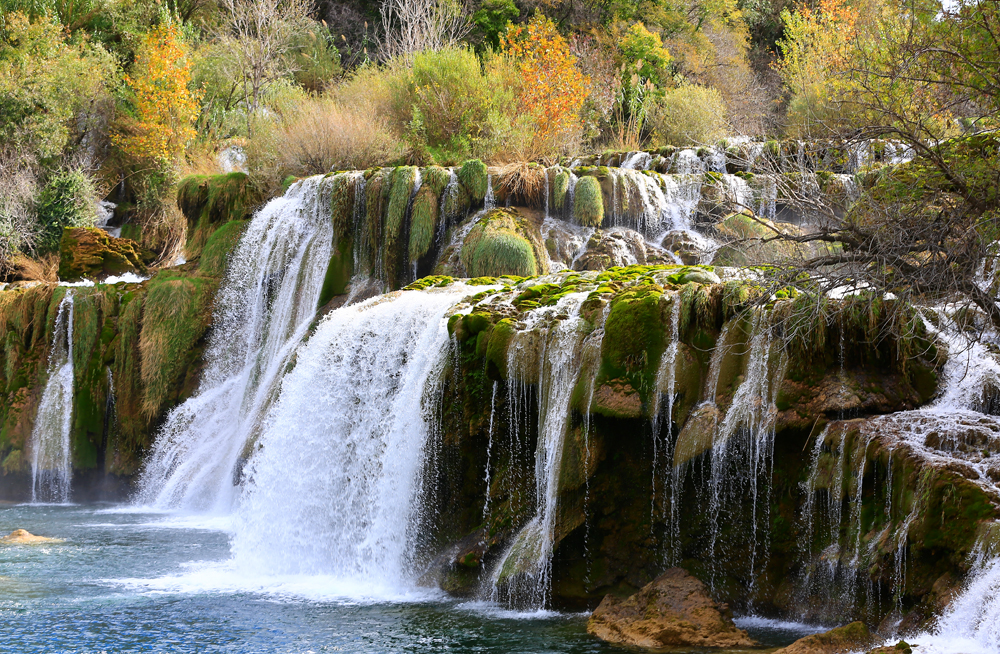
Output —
<point x="23" y="537"/>
<point x="89" y="253"/>
<point x="674" y="610"/>
<point x="848" y="638"/>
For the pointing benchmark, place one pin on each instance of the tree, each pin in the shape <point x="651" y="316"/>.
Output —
<point x="553" y="88"/>
<point x="410" y="26"/>
<point x="165" y="109"/>
<point x="261" y="34"/>
<point x="927" y="228"/>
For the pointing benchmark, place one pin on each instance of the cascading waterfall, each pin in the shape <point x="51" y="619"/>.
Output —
<point x="666" y="381"/>
<point x="50" y="437"/>
<point x="334" y="478"/>
<point x="262" y="311"/>
<point x="523" y="573"/>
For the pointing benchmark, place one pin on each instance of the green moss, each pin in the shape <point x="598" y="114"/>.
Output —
<point x="176" y="314"/>
<point x="474" y="177"/>
<point x="215" y="254"/>
<point x="423" y="225"/>
<point x="376" y="198"/>
<point x="634" y="337"/>
<point x="499" y="245"/>
<point x="87" y="252"/>
<point x="436" y="178"/>
<point x="588" y="202"/>
<point x="210" y="201"/>
<point x="560" y="189"/>
<point x="496" y="347"/>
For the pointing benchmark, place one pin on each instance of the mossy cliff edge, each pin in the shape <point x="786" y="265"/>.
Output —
<point x="624" y="458"/>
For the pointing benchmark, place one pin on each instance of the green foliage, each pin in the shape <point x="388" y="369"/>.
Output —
<point x="50" y="89"/>
<point x="688" y="114"/>
<point x="499" y="245"/>
<point x="68" y="199"/>
<point x="436" y="178"/>
<point x="588" y="202"/>
<point x="315" y="57"/>
<point x="491" y="19"/>
<point x="644" y="56"/>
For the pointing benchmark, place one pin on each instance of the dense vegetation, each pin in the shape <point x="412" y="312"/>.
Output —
<point x="119" y="99"/>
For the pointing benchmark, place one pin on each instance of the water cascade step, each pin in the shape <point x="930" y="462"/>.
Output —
<point x="264" y="308"/>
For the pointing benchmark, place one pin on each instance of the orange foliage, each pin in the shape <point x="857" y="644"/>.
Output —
<point x="165" y="108"/>
<point x="553" y="88"/>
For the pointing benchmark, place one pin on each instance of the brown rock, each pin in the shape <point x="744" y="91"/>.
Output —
<point x="617" y="399"/>
<point x="674" y="610"/>
<point x="22" y="537"/>
<point x="902" y="647"/>
<point x="842" y="639"/>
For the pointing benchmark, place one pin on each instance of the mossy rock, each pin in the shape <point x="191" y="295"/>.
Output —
<point x="503" y="243"/>
<point x="210" y="201"/>
<point x="560" y="190"/>
<point x="424" y="223"/>
<point x="474" y="176"/>
<point x="215" y="254"/>
<point x="90" y="253"/>
<point x="588" y="202"/>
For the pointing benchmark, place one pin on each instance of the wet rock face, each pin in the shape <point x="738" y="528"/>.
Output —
<point x="674" y="610"/>
<point x="848" y="638"/>
<point x="684" y="246"/>
<point x="88" y="253"/>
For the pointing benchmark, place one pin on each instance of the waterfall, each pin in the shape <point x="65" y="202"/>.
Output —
<point x="971" y="623"/>
<point x="262" y="311"/>
<point x="666" y="378"/>
<point x="523" y="574"/>
<point x="50" y="437"/>
<point x="334" y="478"/>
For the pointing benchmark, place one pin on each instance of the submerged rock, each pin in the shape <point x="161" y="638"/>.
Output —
<point x="23" y="537"/>
<point x="848" y="638"/>
<point x="674" y="610"/>
<point x="91" y="253"/>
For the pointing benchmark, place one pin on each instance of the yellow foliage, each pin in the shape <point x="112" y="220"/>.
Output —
<point x="553" y="88"/>
<point x="165" y="108"/>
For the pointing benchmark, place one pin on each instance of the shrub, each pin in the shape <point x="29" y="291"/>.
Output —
<point x="553" y="88"/>
<point x="687" y="115"/>
<point x="17" y="211"/>
<point x="68" y="199"/>
<point x="588" y="202"/>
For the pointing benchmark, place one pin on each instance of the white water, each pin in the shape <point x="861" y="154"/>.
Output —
<point x="334" y="482"/>
<point x="262" y="311"/>
<point x="50" y="437"/>
<point x="524" y="571"/>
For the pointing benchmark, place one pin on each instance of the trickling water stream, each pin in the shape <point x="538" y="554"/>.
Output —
<point x="50" y="438"/>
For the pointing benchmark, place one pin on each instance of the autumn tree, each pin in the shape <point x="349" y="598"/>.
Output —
<point x="553" y="88"/>
<point x="164" y="108"/>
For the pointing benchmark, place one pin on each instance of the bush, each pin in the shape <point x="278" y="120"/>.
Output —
<point x="68" y="199"/>
<point x="688" y="115"/>
<point x="447" y="106"/>
<point x="17" y="211"/>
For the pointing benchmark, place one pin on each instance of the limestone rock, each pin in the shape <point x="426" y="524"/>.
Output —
<point x="90" y="253"/>
<point x="848" y="638"/>
<point x="617" y="399"/>
<point x="674" y="610"/>
<point x="902" y="647"/>
<point x="606" y="249"/>
<point x="23" y="537"/>
<point x="697" y="435"/>
<point x="683" y="245"/>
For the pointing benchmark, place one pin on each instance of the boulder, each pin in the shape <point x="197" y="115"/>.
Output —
<point x="684" y="246"/>
<point x="674" y="610"/>
<point x="89" y="253"/>
<point x="902" y="647"/>
<point x="606" y="249"/>
<point x="504" y="242"/>
<point x="23" y="537"/>
<point x="850" y="637"/>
